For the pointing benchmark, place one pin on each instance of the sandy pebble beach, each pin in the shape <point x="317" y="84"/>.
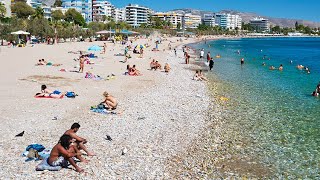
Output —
<point x="159" y="114"/>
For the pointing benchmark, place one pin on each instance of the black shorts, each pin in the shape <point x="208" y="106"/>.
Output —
<point x="201" y="57"/>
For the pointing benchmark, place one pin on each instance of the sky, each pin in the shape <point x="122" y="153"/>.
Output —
<point x="295" y="9"/>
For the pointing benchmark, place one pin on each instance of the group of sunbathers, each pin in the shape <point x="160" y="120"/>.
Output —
<point x="154" y="65"/>
<point x="132" y="71"/>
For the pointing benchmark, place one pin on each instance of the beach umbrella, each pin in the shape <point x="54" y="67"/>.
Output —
<point x="20" y="32"/>
<point x="94" y="48"/>
<point x="141" y="46"/>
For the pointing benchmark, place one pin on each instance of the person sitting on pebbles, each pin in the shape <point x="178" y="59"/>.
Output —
<point x="166" y="68"/>
<point x="153" y="65"/>
<point x="63" y="152"/>
<point x="79" y="141"/>
<point x="158" y="65"/>
<point x="110" y="101"/>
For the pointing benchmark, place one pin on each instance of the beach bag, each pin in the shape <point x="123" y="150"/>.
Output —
<point x="70" y="94"/>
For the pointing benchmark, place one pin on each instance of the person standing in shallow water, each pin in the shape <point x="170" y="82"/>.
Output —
<point x="242" y="61"/>
<point x="211" y="63"/>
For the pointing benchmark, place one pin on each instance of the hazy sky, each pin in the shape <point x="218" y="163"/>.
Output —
<point x="297" y="9"/>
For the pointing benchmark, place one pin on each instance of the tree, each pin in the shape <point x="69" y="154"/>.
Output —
<point x="178" y="25"/>
<point x="296" y="25"/>
<point x="276" y="29"/>
<point x="57" y="3"/>
<point x="74" y="16"/>
<point x="57" y="15"/>
<point x="22" y="10"/>
<point x="38" y="13"/>
<point x="3" y="10"/>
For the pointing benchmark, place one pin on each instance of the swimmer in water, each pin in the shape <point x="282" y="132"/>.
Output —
<point x="281" y="67"/>
<point x="242" y="61"/>
<point x="272" y="68"/>
<point x="291" y="62"/>
<point x="263" y="64"/>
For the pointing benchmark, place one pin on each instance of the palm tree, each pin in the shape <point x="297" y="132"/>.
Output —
<point x="3" y="10"/>
<point x="39" y="13"/>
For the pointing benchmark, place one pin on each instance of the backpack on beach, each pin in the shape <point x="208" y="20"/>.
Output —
<point x="70" y="94"/>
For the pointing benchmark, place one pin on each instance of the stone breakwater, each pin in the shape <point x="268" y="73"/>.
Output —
<point x="157" y="123"/>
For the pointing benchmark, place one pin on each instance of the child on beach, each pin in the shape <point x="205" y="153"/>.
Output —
<point x="201" y="76"/>
<point x="64" y="152"/>
<point x="110" y="101"/>
<point x="82" y="59"/>
<point x="187" y="57"/>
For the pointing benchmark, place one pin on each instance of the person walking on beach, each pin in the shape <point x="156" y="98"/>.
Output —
<point x="211" y="63"/>
<point x="63" y="152"/>
<point x="79" y="140"/>
<point x="201" y="53"/>
<point x="208" y="56"/>
<point x="82" y="59"/>
<point x="104" y="48"/>
<point x="175" y="51"/>
<point x="187" y="57"/>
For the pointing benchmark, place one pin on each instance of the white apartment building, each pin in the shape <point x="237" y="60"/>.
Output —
<point x="260" y="24"/>
<point x="119" y="14"/>
<point x="191" y="21"/>
<point x="172" y="17"/>
<point x="209" y="20"/>
<point x="136" y="15"/>
<point x="101" y="8"/>
<point x="82" y="6"/>
<point x="7" y="5"/>
<point x="228" y="21"/>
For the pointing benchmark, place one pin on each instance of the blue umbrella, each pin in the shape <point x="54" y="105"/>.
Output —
<point x="95" y="48"/>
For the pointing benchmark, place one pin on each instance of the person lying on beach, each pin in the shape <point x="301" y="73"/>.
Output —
<point x="167" y="68"/>
<point x="40" y="63"/>
<point x="64" y="152"/>
<point x="110" y="101"/>
<point x="45" y="92"/>
<point x="79" y="141"/>
<point x="201" y="76"/>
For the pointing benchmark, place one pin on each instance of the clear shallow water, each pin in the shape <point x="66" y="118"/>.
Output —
<point x="272" y="110"/>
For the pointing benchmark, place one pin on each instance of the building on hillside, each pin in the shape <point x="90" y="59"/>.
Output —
<point x="7" y="5"/>
<point x="34" y="3"/>
<point x="46" y="11"/>
<point x="174" y="18"/>
<point x="209" y="20"/>
<point x="101" y="9"/>
<point x="190" y="21"/>
<point x="228" y="21"/>
<point x="137" y="15"/>
<point x="119" y="14"/>
<point x="82" y="6"/>
<point x="260" y="24"/>
<point x="63" y="10"/>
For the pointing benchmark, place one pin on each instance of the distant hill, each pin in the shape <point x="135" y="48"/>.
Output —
<point x="246" y="16"/>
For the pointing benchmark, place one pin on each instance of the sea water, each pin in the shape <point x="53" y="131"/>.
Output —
<point x="273" y="110"/>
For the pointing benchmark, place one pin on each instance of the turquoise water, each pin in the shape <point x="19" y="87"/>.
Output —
<point x="273" y="110"/>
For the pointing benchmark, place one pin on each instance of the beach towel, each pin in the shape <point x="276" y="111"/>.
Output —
<point x="45" y="166"/>
<point x="71" y="94"/>
<point x="47" y="97"/>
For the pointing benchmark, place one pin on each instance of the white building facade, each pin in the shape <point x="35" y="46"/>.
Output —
<point x="82" y="6"/>
<point x="228" y="21"/>
<point x="209" y="20"/>
<point x="174" y="18"/>
<point x="101" y="9"/>
<point x="137" y="15"/>
<point x="191" y="21"/>
<point x="119" y="14"/>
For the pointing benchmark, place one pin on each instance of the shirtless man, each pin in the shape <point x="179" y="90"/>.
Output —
<point x="153" y="65"/>
<point x="82" y="59"/>
<point x="64" y="151"/>
<point x="110" y="101"/>
<point x="166" y="68"/>
<point x="79" y="140"/>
